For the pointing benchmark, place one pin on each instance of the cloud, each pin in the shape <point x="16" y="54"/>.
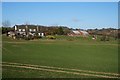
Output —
<point x="75" y="20"/>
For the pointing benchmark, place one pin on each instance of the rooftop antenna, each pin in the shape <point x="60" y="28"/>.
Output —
<point x="26" y="23"/>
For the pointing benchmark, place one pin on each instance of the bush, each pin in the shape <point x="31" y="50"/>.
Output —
<point x="51" y="37"/>
<point x="70" y="39"/>
<point x="105" y="38"/>
<point x="102" y="38"/>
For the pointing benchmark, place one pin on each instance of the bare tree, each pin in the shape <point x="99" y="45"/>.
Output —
<point x="6" y="23"/>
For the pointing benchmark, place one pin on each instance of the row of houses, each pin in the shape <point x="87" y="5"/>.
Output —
<point x="40" y="31"/>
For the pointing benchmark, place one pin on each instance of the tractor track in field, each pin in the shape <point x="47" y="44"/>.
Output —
<point x="62" y="70"/>
<point x="48" y="42"/>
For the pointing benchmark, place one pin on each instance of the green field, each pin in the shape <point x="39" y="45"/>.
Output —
<point x="65" y="57"/>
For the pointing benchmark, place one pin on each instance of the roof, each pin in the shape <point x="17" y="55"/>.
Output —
<point x="24" y="26"/>
<point x="84" y="32"/>
<point x="79" y="32"/>
<point x="76" y="32"/>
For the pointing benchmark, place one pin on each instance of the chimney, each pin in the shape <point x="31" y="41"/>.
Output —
<point x="15" y="28"/>
<point x="37" y="28"/>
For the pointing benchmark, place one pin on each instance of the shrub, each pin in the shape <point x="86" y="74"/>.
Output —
<point x="70" y="39"/>
<point x="105" y="38"/>
<point x="51" y="37"/>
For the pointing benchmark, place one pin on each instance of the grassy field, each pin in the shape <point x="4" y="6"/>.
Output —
<point x="65" y="57"/>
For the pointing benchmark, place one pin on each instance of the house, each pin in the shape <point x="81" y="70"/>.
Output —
<point x="28" y="30"/>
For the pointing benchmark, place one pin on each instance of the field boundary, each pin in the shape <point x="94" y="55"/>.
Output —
<point x="62" y="70"/>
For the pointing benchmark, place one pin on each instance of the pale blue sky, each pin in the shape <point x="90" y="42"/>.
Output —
<point x="84" y="15"/>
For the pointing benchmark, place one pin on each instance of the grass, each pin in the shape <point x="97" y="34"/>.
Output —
<point x="0" y="55"/>
<point x="80" y="53"/>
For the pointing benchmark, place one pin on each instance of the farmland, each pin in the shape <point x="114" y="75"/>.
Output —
<point x="65" y="57"/>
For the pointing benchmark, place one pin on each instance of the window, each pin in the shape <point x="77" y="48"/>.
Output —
<point x="30" y="29"/>
<point x="23" y="30"/>
<point x="34" y="29"/>
<point x="39" y="34"/>
<point x="19" y="29"/>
